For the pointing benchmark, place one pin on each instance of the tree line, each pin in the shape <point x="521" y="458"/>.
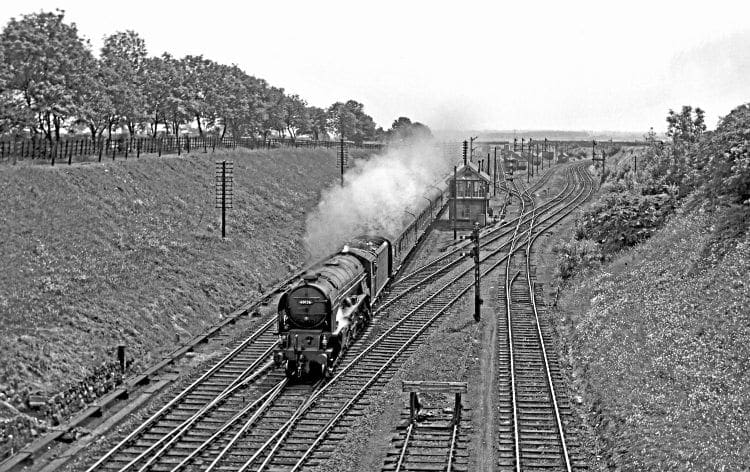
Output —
<point x="51" y="81"/>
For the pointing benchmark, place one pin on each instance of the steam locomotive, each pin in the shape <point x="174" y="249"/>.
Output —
<point x="321" y="314"/>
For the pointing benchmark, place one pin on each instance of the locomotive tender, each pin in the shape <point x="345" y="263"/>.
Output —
<point x="321" y="314"/>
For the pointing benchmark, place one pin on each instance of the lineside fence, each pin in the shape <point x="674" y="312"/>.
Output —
<point x="85" y="149"/>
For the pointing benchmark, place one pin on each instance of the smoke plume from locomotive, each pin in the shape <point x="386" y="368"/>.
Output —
<point x="376" y="197"/>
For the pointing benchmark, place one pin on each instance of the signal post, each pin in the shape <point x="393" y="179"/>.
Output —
<point x="477" y="274"/>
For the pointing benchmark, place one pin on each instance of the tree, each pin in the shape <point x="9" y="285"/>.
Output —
<point x="349" y="121"/>
<point x="404" y="130"/>
<point x="126" y="46"/>
<point x="364" y="128"/>
<point x="166" y="94"/>
<point x="274" y="112"/>
<point x="123" y="58"/>
<point x="341" y="120"/>
<point x="95" y="108"/>
<point x="294" y="115"/>
<point x="683" y="168"/>
<point x="241" y="108"/>
<point x="177" y="106"/>
<point x="201" y="84"/>
<point x="7" y="100"/>
<point x="684" y="127"/>
<point x="156" y="90"/>
<point x="46" y="64"/>
<point x="317" y="123"/>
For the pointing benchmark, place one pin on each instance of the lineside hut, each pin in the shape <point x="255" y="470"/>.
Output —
<point x="473" y="196"/>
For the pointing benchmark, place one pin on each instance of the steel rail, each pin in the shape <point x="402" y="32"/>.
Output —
<point x="387" y="363"/>
<point x="465" y="243"/>
<point x="530" y="241"/>
<point x="176" y="433"/>
<point x="155" y="417"/>
<point x="452" y="448"/>
<point x="273" y="391"/>
<point x="403" y="448"/>
<point x="548" y="206"/>
<point x="284" y="430"/>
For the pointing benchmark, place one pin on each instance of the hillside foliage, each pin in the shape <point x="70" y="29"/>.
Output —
<point x="699" y="167"/>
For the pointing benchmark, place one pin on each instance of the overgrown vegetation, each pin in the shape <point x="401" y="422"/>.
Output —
<point x="712" y="166"/>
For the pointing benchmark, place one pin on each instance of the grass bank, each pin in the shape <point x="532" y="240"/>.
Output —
<point x="659" y="342"/>
<point x="131" y="252"/>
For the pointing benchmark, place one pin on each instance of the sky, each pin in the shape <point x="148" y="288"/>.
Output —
<point x="567" y="65"/>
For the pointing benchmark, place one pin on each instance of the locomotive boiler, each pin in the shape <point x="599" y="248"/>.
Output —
<point x="321" y="314"/>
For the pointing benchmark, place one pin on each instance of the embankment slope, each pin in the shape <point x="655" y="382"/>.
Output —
<point x="131" y="252"/>
<point x="660" y="342"/>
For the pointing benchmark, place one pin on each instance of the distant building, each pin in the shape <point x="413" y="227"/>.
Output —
<point x="472" y="196"/>
<point x="486" y="147"/>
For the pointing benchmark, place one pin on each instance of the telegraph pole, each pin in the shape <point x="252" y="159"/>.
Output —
<point x="223" y="180"/>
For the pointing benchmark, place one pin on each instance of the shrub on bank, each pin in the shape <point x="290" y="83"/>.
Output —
<point x="623" y="219"/>
<point x="576" y="255"/>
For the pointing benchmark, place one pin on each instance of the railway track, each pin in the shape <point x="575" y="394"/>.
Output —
<point x="326" y="414"/>
<point x="412" y="275"/>
<point x="532" y="411"/>
<point x="239" y="416"/>
<point x="492" y="240"/>
<point x="430" y="446"/>
<point x="211" y="398"/>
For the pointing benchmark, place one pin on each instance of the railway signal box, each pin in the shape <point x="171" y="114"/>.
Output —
<point x="470" y="194"/>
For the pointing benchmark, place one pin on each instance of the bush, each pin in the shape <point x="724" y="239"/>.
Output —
<point x="575" y="255"/>
<point x="624" y="219"/>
